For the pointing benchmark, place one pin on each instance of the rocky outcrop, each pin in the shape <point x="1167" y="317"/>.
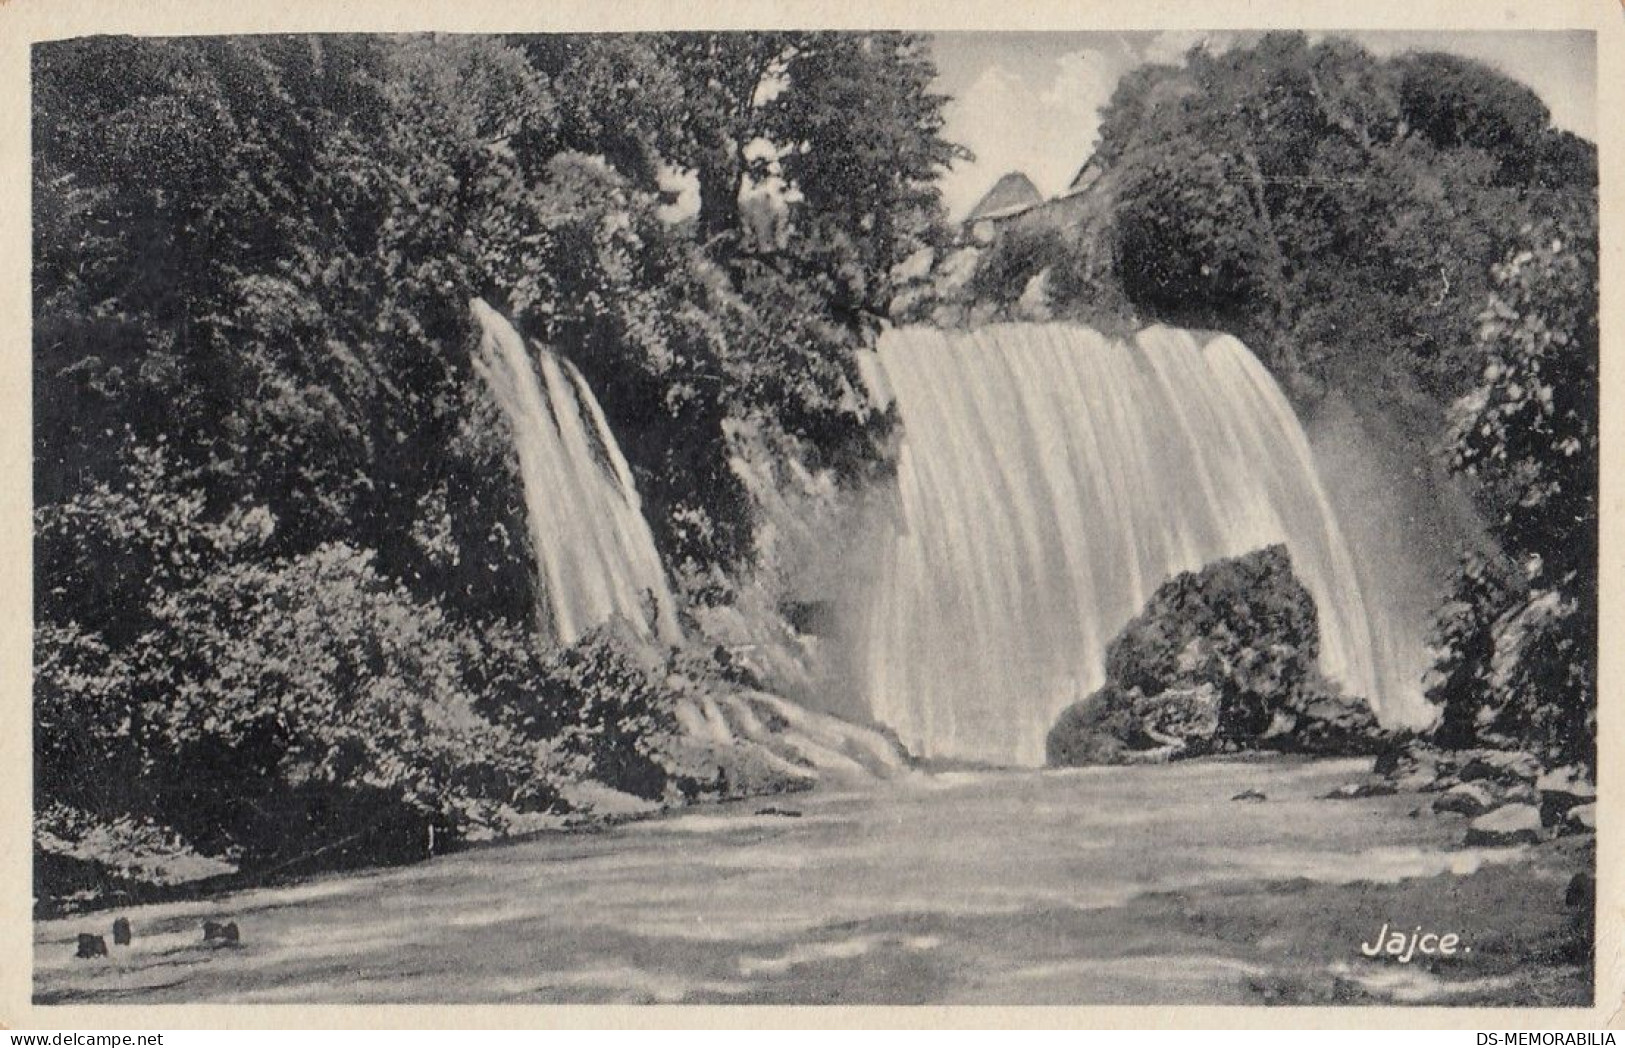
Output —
<point x="1222" y="659"/>
<point x="765" y="743"/>
<point x="1509" y="796"/>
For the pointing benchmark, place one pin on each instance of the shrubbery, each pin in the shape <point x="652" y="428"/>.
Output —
<point x="283" y="578"/>
<point x="208" y="709"/>
<point x="1517" y="640"/>
<point x="308" y="710"/>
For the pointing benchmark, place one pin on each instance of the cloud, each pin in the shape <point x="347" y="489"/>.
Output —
<point x="1170" y="47"/>
<point x="1043" y="121"/>
<point x="1084" y="80"/>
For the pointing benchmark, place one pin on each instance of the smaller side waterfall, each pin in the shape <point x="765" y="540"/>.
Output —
<point x="594" y="552"/>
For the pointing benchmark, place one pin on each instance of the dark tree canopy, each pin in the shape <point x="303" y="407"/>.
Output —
<point x="258" y="432"/>
<point x="1338" y="211"/>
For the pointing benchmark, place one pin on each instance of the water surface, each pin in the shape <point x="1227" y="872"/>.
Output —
<point x="1067" y="887"/>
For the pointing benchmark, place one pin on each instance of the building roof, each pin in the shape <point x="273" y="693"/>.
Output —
<point x="1086" y="176"/>
<point x="1010" y="195"/>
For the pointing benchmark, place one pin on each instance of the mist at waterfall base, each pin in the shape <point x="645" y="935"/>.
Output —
<point x="1048" y="480"/>
<point x="595" y="555"/>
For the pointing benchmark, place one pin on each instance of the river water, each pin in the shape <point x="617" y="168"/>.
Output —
<point x="1059" y="887"/>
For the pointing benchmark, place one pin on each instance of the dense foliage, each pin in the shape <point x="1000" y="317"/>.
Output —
<point x="1351" y="217"/>
<point x="1337" y="211"/>
<point x="283" y="581"/>
<point x="1518" y="638"/>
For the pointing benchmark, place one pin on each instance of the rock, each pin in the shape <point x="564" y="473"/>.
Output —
<point x="1567" y="779"/>
<point x="1189" y="715"/>
<point x="1581" y="819"/>
<point x="121" y="932"/>
<point x="1219" y="660"/>
<point x="1519" y="792"/>
<point x="1417" y="779"/>
<point x="91" y="946"/>
<point x="1509" y="824"/>
<point x="1093" y="730"/>
<point x="1245" y="625"/>
<point x="1467" y="798"/>
<point x="1251" y="796"/>
<point x="1582" y="891"/>
<point x="1506" y="766"/>
<point x="1562" y="789"/>
<point x="1356" y="790"/>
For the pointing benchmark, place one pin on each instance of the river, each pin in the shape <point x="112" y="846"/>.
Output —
<point x="1111" y="885"/>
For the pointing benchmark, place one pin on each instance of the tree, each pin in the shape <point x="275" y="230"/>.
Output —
<point x="858" y="132"/>
<point x="1518" y="653"/>
<point x="264" y="461"/>
<point x="1322" y="205"/>
<point x="1528" y="432"/>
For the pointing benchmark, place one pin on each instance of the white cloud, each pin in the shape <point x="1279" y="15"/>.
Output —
<point x="1041" y="121"/>
<point x="1170" y="47"/>
<point x="1084" y="80"/>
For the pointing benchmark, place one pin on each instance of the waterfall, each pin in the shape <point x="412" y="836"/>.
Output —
<point x="1049" y="480"/>
<point x="594" y="552"/>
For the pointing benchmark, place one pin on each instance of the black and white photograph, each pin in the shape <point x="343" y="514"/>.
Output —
<point x="814" y="516"/>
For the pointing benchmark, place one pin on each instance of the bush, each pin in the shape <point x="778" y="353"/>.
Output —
<point x="313" y="693"/>
<point x="1517" y="644"/>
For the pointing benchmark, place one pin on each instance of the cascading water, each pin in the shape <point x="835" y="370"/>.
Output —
<point x="594" y="551"/>
<point x="1049" y="480"/>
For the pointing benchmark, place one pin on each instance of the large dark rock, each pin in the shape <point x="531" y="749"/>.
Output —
<point x="1096" y="730"/>
<point x="1221" y="659"/>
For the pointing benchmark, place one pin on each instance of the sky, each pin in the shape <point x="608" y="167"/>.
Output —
<point x="1030" y="101"/>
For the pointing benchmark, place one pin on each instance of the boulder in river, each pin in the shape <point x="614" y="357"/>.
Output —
<point x="1562" y="789"/>
<point x="1508" y="824"/>
<point x="1353" y="791"/>
<point x="1465" y="798"/>
<point x="1221" y="659"/>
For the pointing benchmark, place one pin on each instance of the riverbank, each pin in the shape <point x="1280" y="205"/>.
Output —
<point x="1113" y="885"/>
